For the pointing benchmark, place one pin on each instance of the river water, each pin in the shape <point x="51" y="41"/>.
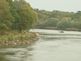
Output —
<point x="51" y="46"/>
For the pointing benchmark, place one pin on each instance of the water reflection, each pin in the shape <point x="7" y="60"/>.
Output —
<point x="2" y="57"/>
<point x="15" y="54"/>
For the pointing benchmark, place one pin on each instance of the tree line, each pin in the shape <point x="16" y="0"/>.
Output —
<point x="16" y="15"/>
<point x="59" y="20"/>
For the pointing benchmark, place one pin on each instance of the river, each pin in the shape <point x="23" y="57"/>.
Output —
<point x="51" y="46"/>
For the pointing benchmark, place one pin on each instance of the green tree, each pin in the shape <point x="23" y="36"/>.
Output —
<point x="27" y="17"/>
<point x="6" y="17"/>
<point x="62" y="25"/>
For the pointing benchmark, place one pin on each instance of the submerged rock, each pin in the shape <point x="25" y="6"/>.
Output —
<point x="61" y="31"/>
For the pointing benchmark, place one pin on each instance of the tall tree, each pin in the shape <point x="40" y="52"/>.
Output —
<point x="6" y="17"/>
<point x="27" y="17"/>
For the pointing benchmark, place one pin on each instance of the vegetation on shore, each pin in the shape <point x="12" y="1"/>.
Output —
<point x="17" y="39"/>
<point x="16" y="15"/>
<point x="16" y="18"/>
<point x="59" y="20"/>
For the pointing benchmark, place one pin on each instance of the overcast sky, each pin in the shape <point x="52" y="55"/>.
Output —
<point x="63" y="5"/>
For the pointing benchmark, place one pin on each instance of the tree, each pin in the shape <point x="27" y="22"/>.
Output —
<point x="27" y="17"/>
<point x="16" y="15"/>
<point x="62" y="25"/>
<point x="6" y="17"/>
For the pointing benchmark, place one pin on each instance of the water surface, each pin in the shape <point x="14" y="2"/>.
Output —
<point x="52" y="46"/>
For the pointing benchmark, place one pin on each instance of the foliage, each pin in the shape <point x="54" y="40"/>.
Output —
<point x="14" y="36"/>
<point x="59" y="19"/>
<point x="27" y="17"/>
<point x="6" y="17"/>
<point x="16" y="15"/>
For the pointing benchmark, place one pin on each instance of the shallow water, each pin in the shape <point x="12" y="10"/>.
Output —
<point x="52" y="46"/>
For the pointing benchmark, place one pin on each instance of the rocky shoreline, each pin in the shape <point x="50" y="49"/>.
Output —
<point x="18" y="43"/>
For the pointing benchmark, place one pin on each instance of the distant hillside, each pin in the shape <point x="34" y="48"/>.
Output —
<point x="59" y="20"/>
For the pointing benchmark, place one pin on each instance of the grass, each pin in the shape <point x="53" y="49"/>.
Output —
<point x="17" y="39"/>
<point x="17" y="36"/>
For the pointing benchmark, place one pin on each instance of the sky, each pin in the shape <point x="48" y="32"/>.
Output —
<point x="62" y="5"/>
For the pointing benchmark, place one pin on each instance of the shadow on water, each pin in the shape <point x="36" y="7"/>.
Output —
<point x="15" y="54"/>
<point x="2" y="58"/>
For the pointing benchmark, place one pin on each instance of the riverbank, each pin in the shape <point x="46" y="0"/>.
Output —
<point x="55" y="28"/>
<point x="45" y="31"/>
<point x="18" y="39"/>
